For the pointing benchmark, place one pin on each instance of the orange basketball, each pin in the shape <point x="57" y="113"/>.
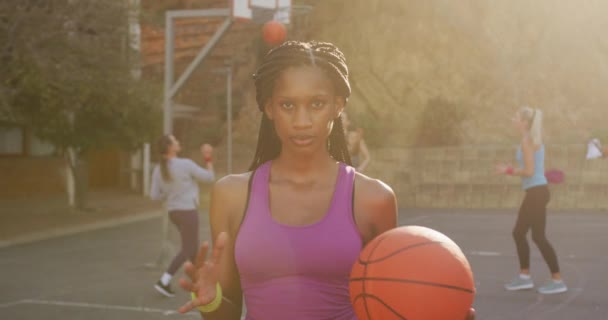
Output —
<point x="274" y="33"/>
<point x="412" y="273"/>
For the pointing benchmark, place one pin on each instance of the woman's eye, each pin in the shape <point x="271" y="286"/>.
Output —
<point x="287" y="105"/>
<point x="318" y="104"/>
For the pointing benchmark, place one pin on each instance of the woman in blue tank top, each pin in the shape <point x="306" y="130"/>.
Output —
<point x="533" y="210"/>
<point x="288" y="231"/>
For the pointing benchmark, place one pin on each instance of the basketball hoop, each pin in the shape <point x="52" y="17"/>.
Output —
<point x="262" y="11"/>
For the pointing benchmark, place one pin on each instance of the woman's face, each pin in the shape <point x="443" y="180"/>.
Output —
<point x="174" y="147"/>
<point x="303" y="107"/>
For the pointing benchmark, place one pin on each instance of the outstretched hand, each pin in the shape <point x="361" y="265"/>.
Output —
<point x="203" y="274"/>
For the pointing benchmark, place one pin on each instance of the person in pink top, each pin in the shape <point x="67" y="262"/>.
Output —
<point x="287" y="232"/>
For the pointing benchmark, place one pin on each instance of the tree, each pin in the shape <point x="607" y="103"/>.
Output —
<point x="66" y="73"/>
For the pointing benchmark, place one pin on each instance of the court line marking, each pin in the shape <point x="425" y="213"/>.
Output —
<point x="72" y="230"/>
<point x="165" y="312"/>
<point x="10" y="304"/>
<point x="485" y="253"/>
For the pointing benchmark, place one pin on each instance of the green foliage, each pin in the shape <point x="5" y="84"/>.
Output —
<point x="71" y="81"/>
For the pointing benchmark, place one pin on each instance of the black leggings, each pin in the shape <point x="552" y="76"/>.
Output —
<point x="533" y="215"/>
<point x="186" y="222"/>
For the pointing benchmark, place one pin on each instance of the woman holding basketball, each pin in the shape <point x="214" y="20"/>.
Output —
<point x="533" y="211"/>
<point x="175" y="180"/>
<point x="288" y="232"/>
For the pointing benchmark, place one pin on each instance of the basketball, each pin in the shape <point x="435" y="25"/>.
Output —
<point x="274" y="33"/>
<point x="413" y="273"/>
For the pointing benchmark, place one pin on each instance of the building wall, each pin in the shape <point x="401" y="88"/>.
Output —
<point x="27" y="176"/>
<point x="24" y="177"/>
<point x="464" y="177"/>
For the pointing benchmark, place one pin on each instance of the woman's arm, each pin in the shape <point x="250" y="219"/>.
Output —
<point x="156" y="192"/>
<point x="207" y="174"/>
<point x="228" y="199"/>
<point x="201" y="174"/>
<point x="375" y="207"/>
<point x="527" y="149"/>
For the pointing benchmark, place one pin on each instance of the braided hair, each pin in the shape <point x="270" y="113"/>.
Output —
<point x="296" y="53"/>
<point x="163" y="146"/>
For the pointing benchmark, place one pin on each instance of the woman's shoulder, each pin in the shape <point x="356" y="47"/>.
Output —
<point x="233" y="182"/>
<point x="230" y="195"/>
<point x="373" y="192"/>
<point x="178" y="161"/>
<point x="375" y="206"/>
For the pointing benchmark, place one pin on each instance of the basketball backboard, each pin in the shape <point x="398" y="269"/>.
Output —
<point x="261" y="11"/>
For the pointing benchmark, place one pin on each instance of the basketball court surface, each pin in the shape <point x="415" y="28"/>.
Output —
<point x="102" y="274"/>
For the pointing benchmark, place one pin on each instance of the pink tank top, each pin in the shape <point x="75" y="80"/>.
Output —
<point x="298" y="272"/>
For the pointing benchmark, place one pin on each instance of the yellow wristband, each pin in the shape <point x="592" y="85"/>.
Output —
<point x="213" y="305"/>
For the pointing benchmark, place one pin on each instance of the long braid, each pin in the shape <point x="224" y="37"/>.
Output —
<point x="295" y="53"/>
<point x="163" y="145"/>
<point x="269" y="145"/>
<point x="338" y="148"/>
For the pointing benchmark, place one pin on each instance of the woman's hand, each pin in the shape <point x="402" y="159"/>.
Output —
<point x="502" y="168"/>
<point x="471" y="315"/>
<point x="203" y="274"/>
<point x="207" y="152"/>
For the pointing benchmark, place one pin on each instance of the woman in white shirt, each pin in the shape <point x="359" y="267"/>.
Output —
<point x="175" y="181"/>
